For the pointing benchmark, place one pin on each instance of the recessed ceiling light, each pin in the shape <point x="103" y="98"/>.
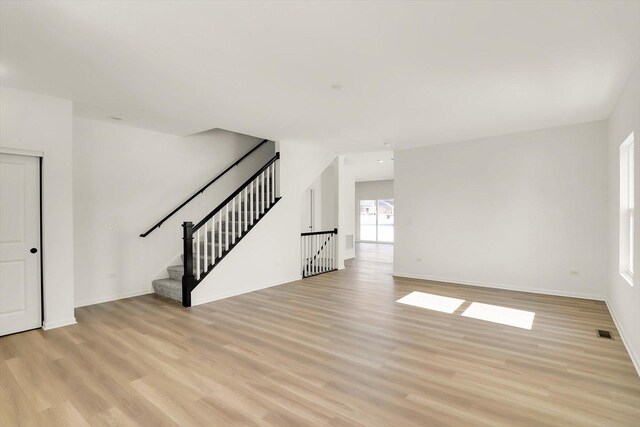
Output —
<point x="115" y="118"/>
<point x="386" y="144"/>
<point x="336" y="87"/>
<point x="380" y="161"/>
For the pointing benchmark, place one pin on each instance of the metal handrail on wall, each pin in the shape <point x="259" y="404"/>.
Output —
<point x="201" y="190"/>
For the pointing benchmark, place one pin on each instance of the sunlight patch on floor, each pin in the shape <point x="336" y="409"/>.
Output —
<point x="431" y="301"/>
<point x="503" y="315"/>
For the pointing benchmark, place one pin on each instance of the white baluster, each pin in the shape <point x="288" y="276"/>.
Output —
<point x="198" y="254"/>
<point x="213" y="240"/>
<point x="273" y="183"/>
<point x="233" y="220"/>
<point x="330" y="252"/>
<point x="219" y="243"/>
<point x="319" y="253"/>
<point x="320" y="242"/>
<point x="246" y="207"/>
<point x="251" y="209"/>
<point x="324" y="253"/>
<point x="206" y="247"/>
<point x="313" y="253"/>
<point x="240" y="215"/>
<point x="329" y="243"/>
<point x="264" y="189"/>
<point x="309" y="242"/>
<point x="226" y="227"/>
<point x="268" y="178"/>
<point x="258" y="196"/>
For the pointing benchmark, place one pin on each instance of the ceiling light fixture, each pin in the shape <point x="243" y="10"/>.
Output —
<point x="380" y="161"/>
<point x="115" y="118"/>
<point x="386" y="144"/>
<point x="336" y="87"/>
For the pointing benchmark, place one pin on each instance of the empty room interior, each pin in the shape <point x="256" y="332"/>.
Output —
<point x="319" y="213"/>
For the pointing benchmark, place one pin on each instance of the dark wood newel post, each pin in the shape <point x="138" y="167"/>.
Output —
<point x="188" y="279"/>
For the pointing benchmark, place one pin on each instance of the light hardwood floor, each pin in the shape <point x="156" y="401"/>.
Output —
<point x="332" y="350"/>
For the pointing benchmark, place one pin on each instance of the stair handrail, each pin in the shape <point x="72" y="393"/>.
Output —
<point x="235" y="193"/>
<point x="313" y="233"/>
<point x="189" y="280"/>
<point x="201" y="191"/>
<point x="330" y="234"/>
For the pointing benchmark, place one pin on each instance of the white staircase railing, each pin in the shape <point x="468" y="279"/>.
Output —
<point x="210" y="240"/>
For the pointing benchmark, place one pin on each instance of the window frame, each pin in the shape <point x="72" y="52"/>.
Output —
<point x="376" y="204"/>
<point x="627" y="212"/>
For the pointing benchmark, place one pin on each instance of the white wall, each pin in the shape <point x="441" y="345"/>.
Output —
<point x="329" y="200"/>
<point x="270" y="254"/>
<point x="347" y="193"/>
<point x="370" y="190"/>
<point x="518" y="211"/>
<point x="29" y="121"/>
<point x="624" y="299"/>
<point x="125" y="180"/>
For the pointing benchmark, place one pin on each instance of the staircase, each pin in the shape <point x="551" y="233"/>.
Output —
<point x="208" y="242"/>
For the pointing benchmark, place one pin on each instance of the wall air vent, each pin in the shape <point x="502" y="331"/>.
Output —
<point x="604" y="334"/>
<point x="349" y="241"/>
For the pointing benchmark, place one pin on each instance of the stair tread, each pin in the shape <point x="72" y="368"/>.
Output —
<point x="169" y="288"/>
<point x="172" y="283"/>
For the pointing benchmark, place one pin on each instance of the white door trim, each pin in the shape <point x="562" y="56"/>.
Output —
<point x="21" y="152"/>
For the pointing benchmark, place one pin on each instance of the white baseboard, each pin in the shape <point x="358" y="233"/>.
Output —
<point x="502" y="286"/>
<point x="59" y="323"/>
<point x="634" y="357"/>
<point x="112" y="298"/>
<point x="235" y="292"/>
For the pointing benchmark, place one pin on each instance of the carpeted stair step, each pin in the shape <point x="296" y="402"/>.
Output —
<point x="169" y="288"/>
<point x="176" y="272"/>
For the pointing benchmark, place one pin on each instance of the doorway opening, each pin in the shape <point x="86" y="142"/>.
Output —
<point x="376" y="220"/>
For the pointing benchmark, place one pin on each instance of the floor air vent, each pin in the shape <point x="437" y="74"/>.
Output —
<point x="604" y="334"/>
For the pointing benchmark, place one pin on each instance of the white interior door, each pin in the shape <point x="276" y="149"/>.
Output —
<point x="308" y="209"/>
<point x="20" y="291"/>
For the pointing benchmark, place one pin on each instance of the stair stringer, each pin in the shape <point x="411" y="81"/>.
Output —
<point x="269" y="254"/>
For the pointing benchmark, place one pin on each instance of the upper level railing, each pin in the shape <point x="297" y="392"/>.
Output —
<point x="201" y="190"/>
<point x="319" y="252"/>
<point x="210" y="240"/>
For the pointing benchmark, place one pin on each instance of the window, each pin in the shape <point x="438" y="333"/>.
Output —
<point x="627" y="208"/>
<point x="376" y="220"/>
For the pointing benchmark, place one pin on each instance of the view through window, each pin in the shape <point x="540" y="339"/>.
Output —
<point x="376" y="220"/>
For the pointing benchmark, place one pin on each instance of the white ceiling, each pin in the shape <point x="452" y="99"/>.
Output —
<point x="413" y="73"/>
<point x="367" y="166"/>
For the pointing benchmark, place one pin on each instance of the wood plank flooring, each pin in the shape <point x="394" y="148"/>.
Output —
<point x="332" y="350"/>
